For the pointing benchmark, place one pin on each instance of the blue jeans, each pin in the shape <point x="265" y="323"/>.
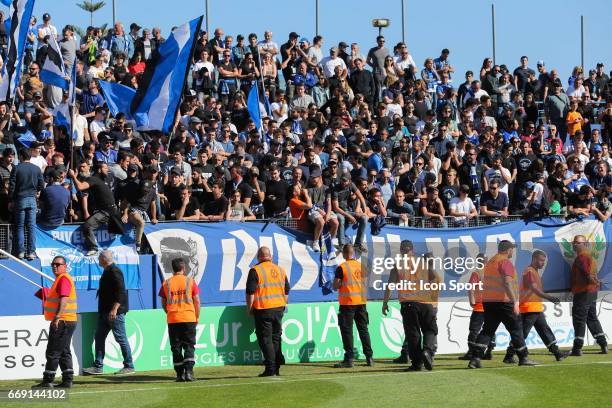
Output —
<point x="118" y="328"/>
<point x="361" y="222"/>
<point x="25" y="217"/>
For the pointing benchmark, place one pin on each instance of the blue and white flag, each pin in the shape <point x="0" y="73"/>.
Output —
<point x="253" y="105"/>
<point x="67" y="241"/>
<point x="157" y="100"/>
<point x="27" y="138"/>
<point x="20" y="14"/>
<point x="118" y="97"/>
<point x="53" y="71"/>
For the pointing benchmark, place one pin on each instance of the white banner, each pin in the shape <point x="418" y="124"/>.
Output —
<point x="23" y="341"/>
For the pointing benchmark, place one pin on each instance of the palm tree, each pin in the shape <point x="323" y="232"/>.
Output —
<point x="91" y="7"/>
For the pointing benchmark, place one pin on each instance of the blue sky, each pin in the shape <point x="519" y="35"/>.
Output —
<point x="540" y="29"/>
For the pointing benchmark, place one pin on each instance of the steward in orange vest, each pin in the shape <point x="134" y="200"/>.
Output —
<point x="181" y="302"/>
<point x="60" y="308"/>
<point x="532" y="309"/>
<point x="266" y="297"/>
<point x="351" y="281"/>
<point x="477" y="316"/>
<point x="500" y="302"/>
<point x="585" y="285"/>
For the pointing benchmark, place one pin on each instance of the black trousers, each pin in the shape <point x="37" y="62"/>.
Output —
<point x="494" y="314"/>
<point x="182" y="338"/>
<point x="268" y="328"/>
<point x="58" y="351"/>
<point x="538" y="321"/>
<point x="584" y="314"/>
<point x="95" y="221"/>
<point x="420" y="329"/>
<point x="346" y="317"/>
<point x="476" y="322"/>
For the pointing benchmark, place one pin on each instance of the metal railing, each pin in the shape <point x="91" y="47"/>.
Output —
<point x="7" y="230"/>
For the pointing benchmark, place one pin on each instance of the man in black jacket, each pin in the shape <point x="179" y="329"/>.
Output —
<point x="362" y="81"/>
<point x="112" y="307"/>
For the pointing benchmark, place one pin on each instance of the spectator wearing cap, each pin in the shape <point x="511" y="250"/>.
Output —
<point x="45" y="29"/>
<point x="54" y="201"/>
<point x="328" y="64"/>
<point x="25" y="182"/>
<point x="105" y="152"/>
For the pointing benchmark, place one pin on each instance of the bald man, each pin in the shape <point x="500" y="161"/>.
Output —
<point x="267" y="288"/>
<point x="585" y="286"/>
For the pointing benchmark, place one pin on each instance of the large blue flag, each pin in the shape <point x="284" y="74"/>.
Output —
<point x="20" y="14"/>
<point x="118" y="97"/>
<point x="68" y="241"/>
<point x="157" y="100"/>
<point x="53" y="71"/>
<point x="253" y="105"/>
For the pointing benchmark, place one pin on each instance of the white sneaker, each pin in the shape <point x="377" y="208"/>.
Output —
<point x="316" y="247"/>
<point x="335" y="242"/>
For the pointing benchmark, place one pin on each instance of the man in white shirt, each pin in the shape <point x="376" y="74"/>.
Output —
<point x="280" y="107"/>
<point x="475" y="91"/>
<point x="98" y="124"/>
<point x="329" y="64"/>
<point x="37" y="159"/>
<point x="405" y="61"/>
<point x="45" y="29"/>
<point x="499" y="173"/>
<point x="462" y="207"/>
<point x="267" y="46"/>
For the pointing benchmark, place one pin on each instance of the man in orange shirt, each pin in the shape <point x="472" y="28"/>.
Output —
<point x="585" y="284"/>
<point x="500" y="302"/>
<point x="267" y="288"/>
<point x="574" y="119"/>
<point x="351" y="282"/>
<point x="181" y="302"/>
<point x="477" y="316"/>
<point x="60" y="308"/>
<point x="532" y="309"/>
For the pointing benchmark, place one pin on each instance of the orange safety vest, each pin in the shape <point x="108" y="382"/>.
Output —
<point x="477" y="293"/>
<point x="530" y="302"/>
<point x="580" y="283"/>
<point x="270" y="291"/>
<point x="52" y="302"/>
<point x="352" y="289"/>
<point x="411" y="283"/>
<point x="179" y="302"/>
<point x="494" y="288"/>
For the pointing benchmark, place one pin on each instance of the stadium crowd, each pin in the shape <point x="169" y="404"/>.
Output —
<point x="350" y="136"/>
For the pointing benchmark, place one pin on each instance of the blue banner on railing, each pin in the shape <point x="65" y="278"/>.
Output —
<point x="221" y="254"/>
<point x="67" y="240"/>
